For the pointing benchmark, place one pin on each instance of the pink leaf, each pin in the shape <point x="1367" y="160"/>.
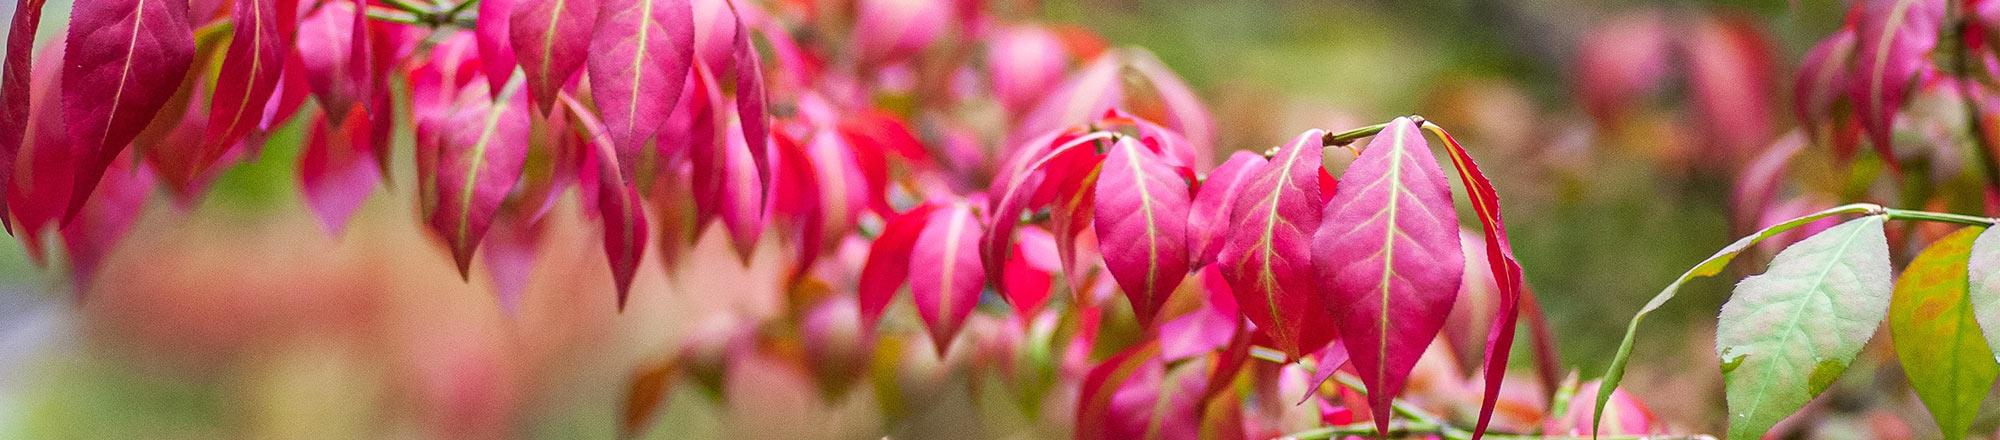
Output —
<point x="1268" y="256"/>
<point x="479" y="159"/>
<point x="126" y="58"/>
<point x="327" y="55"/>
<point x="39" y="198"/>
<point x="510" y="256"/>
<point x="741" y="204"/>
<point x="750" y="97"/>
<point x="492" y="32"/>
<point x="947" y="284"/>
<point x="1388" y="260"/>
<point x="15" y="77"/>
<point x="888" y="262"/>
<point x="1732" y="79"/>
<point x="1142" y="206"/>
<point x="1822" y="81"/>
<point x="1030" y="272"/>
<point x="1023" y="62"/>
<point x="338" y="170"/>
<point x="1896" y="38"/>
<point x="1208" y="216"/>
<point x="639" y="58"/>
<point x="548" y="41"/>
<point x="250" y="73"/>
<point x="624" y="232"/>
<point x="106" y="219"/>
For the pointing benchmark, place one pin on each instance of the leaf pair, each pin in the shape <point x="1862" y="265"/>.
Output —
<point x="936" y="249"/>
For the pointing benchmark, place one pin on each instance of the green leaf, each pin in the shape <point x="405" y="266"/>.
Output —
<point x="1936" y="336"/>
<point x="1706" y="268"/>
<point x="1786" y="334"/>
<point x="1983" y="272"/>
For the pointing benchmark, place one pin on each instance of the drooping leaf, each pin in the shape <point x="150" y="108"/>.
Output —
<point x="325" y="52"/>
<point x="1822" y="81"/>
<point x="1268" y="256"/>
<point x="338" y="169"/>
<point x="1786" y="334"/>
<point x="1142" y="207"/>
<point x="106" y="219"/>
<point x="37" y="199"/>
<point x="1937" y="339"/>
<point x="639" y="58"/>
<point x="492" y="31"/>
<point x="1708" y="267"/>
<point x="624" y="232"/>
<point x="1030" y="272"/>
<point x="1208" y="216"/>
<point x="1506" y="273"/>
<point x="478" y="162"/>
<point x="125" y="59"/>
<point x="946" y="285"/>
<point x="888" y="263"/>
<point x="249" y="75"/>
<point x="15" y="73"/>
<point x="741" y="203"/>
<point x="548" y="42"/>
<point x="1387" y="258"/>
<point x="1895" y="40"/>
<point x="750" y="99"/>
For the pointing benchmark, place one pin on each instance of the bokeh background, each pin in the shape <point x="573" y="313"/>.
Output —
<point x="238" y="316"/>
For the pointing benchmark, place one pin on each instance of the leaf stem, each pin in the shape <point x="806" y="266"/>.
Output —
<point x="1348" y="137"/>
<point x="461" y="7"/>
<point x="1944" y="217"/>
<point x="407" y="6"/>
<point x="395" y="15"/>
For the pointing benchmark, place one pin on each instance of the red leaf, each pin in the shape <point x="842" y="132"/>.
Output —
<point x="14" y="94"/>
<point x="492" y="31"/>
<point x="1142" y="205"/>
<point x="1506" y="274"/>
<point x="946" y="285"/>
<point x="624" y="232"/>
<point x="38" y="198"/>
<point x="125" y="59"/>
<point x="1732" y="80"/>
<point x="1208" y="217"/>
<point x="750" y="97"/>
<point x="338" y="170"/>
<point x="1030" y="272"/>
<point x="888" y="262"/>
<point x="1015" y="190"/>
<point x="741" y="202"/>
<point x="328" y="56"/>
<point x="1896" y="38"/>
<point x="1388" y="258"/>
<point x="547" y="39"/>
<point x="1268" y="256"/>
<point x="1138" y="394"/>
<point x="478" y="161"/>
<point x="700" y="121"/>
<point x="639" y="58"/>
<point x="106" y="219"/>
<point x="1822" y="81"/>
<point x="249" y="75"/>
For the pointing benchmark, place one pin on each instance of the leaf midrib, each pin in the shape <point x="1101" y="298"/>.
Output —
<point x="1798" y="312"/>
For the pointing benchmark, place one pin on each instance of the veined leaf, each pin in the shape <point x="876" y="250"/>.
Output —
<point x="1937" y="339"/>
<point x="1268" y="256"/>
<point x="1208" y="216"/>
<point x="639" y="58"/>
<point x="1142" y="207"/>
<point x="249" y="75"/>
<point x="546" y="39"/>
<point x="1785" y="335"/>
<point x="125" y="59"/>
<point x="14" y="94"/>
<point x="478" y="161"/>
<point x="1388" y="259"/>
<point x="1895" y="40"/>
<point x="1708" y="267"/>
<point x="1506" y="273"/>
<point x="946" y="285"/>
<point x="1983" y="284"/>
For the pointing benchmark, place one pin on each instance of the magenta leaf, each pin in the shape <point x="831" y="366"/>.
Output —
<point x="624" y="232"/>
<point x="338" y="170"/>
<point x="888" y="263"/>
<point x="1506" y="273"/>
<point x="1822" y="81"/>
<point x="1208" y="216"/>
<point x="750" y="99"/>
<point x="548" y="41"/>
<point x="250" y="73"/>
<point x="1896" y="38"/>
<point x="1268" y="256"/>
<point x="946" y="285"/>
<point x="639" y="58"/>
<point x="1388" y="258"/>
<point x="106" y="219"/>
<point x="38" y="199"/>
<point x="15" y="73"/>
<point x="479" y="159"/>
<point x="1142" y="207"/>
<point x="125" y="59"/>
<point x="741" y="203"/>
<point x="328" y="58"/>
<point x="492" y="31"/>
